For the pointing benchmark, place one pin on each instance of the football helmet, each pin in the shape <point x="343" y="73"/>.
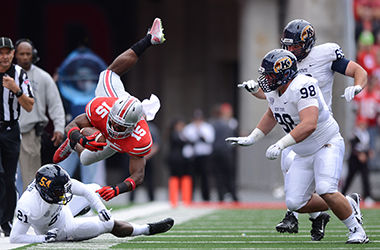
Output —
<point x="299" y="38"/>
<point x="277" y="68"/>
<point x="125" y="114"/>
<point x="54" y="184"/>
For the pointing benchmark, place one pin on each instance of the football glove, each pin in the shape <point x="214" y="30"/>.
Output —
<point x="89" y="142"/>
<point x="242" y="141"/>
<point x="251" y="86"/>
<point x="51" y="235"/>
<point x="104" y="215"/>
<point x="108" y="192"/>
<point x="350" y="92"/>
<point x="274" y="151"/>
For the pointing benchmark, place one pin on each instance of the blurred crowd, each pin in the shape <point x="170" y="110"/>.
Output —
<point x="365" y="140"/>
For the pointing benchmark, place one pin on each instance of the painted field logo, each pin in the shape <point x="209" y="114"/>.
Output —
<point x="282" y="64"/>
<point x="307" y="32"/>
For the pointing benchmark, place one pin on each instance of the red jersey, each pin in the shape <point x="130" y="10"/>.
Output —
<point x="368" y="106"/>
<point x="138" y="143"/>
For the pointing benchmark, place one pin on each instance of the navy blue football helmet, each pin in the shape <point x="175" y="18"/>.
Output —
<point x="54" y="184"/>
<point x="278" y="67"/>
<point x="298" y="32"/>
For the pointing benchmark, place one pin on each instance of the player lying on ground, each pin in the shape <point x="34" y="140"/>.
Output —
<point x="296" y="103"/>
<point x="320" y="62"/>
<point x="120" y="117"/>
<point x="44" y="207"/>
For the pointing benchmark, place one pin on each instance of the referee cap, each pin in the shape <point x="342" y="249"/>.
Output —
<point x="6" y="42"/>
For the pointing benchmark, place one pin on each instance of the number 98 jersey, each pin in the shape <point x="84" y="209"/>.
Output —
<point x="303" y="92"/>
<point x="138" y="143"/>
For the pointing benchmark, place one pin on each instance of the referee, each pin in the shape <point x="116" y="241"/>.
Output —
<point x="15" y="91"/>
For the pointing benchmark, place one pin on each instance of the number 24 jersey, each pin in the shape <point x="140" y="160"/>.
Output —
<point x="138" y="143"/>
<point x="303" y="92"/>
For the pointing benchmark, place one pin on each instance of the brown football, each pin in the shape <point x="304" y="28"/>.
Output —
<point x="91" y="130"/>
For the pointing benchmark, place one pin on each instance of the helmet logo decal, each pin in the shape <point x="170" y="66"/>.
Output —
<point x="282" y="64"/>
<point x="307" y="32"/>
<point x="44" y="182"/>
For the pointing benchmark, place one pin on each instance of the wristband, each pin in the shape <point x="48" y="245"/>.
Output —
<point x="19" y="93"/>
<point x="286" y="141"/>
<point x="133" y="184"/>
<point x="256" y="135"/>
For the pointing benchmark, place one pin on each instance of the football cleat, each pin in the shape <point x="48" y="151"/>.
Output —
<point x="161" y="226"/>
<point x="354" y="200"/>
<point x="288" y="224"/>
<point x="318" y="226"/>
<point x="357" y="236"/>
<point x="157" y="32"/>
<point x="62" y="152"/>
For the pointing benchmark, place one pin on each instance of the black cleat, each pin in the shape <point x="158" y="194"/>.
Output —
<point x="83" y="211"/>
<point x="161" y="226"/>
<point x="318" y="226"/>
<point x="288" y="224"/>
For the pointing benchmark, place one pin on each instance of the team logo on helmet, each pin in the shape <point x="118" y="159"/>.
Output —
<point x="282" y="64"/>
<point x="307" y="32"/>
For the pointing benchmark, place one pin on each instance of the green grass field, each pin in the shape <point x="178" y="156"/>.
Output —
<point x="250" y="229"/>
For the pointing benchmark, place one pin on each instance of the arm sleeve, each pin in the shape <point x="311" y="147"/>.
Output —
<point x="88" y="157"/>
<point x="55" y="106"/>
<point x="83" y="190"/>
<point x="19" y="234"/>
<point x="340" y="65"/>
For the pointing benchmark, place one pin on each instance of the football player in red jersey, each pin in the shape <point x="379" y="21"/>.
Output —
<point x="119" y="116"/>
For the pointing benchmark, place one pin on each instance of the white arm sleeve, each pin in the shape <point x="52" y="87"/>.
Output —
<point x="81" y="189"/>
<point x="88" y="157"/>
<point x="19" y="234"/>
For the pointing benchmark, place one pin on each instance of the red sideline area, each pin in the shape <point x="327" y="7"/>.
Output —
<point x="257" y="205"/>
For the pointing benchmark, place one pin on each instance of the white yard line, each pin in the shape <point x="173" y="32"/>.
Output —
<point x="145" y="213"/>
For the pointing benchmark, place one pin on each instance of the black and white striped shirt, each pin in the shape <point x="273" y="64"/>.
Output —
<point x="9" y="105"/>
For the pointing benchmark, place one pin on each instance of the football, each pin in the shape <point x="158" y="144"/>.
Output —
<point x="91" y="130"/>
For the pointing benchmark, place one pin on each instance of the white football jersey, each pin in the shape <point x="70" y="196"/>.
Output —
<point x="318" y="65"/>
<point x="33" y="211"/>
<point x="303" y="92"/>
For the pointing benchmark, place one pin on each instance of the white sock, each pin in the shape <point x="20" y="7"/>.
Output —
<point x="314" y="215"/>
<point x="139" y="229"/>
<point x="351" y="222"/>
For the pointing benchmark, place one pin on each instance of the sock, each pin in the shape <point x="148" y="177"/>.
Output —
<point x="314" y="215"/>
<point x="139" y="229"/>
<point x="142" y="45"/>
<point x="351" y="222"/>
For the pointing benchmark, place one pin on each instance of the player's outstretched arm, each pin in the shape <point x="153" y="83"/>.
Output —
<point x="137" y="171"/>
<point x="128" y="58"/>
<point x="360" y="80"/>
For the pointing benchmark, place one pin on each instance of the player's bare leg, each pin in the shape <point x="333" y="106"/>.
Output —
<point x="128" y="58"/>
<point x="315" y="204"/>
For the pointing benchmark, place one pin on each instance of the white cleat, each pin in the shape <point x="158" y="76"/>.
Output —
<point x="157" y="32"/>
<point x="354" y="200"/>
<point x="357" y="236"/>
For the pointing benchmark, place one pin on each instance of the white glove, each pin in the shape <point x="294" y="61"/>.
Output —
<point x="350" y="92"/>
<point x="274" y="151"/>
<point x="251" y="86"/>
<point x="51" y="235"/>
<point x="242" y="141"/>
<point x="104" y="215"/>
